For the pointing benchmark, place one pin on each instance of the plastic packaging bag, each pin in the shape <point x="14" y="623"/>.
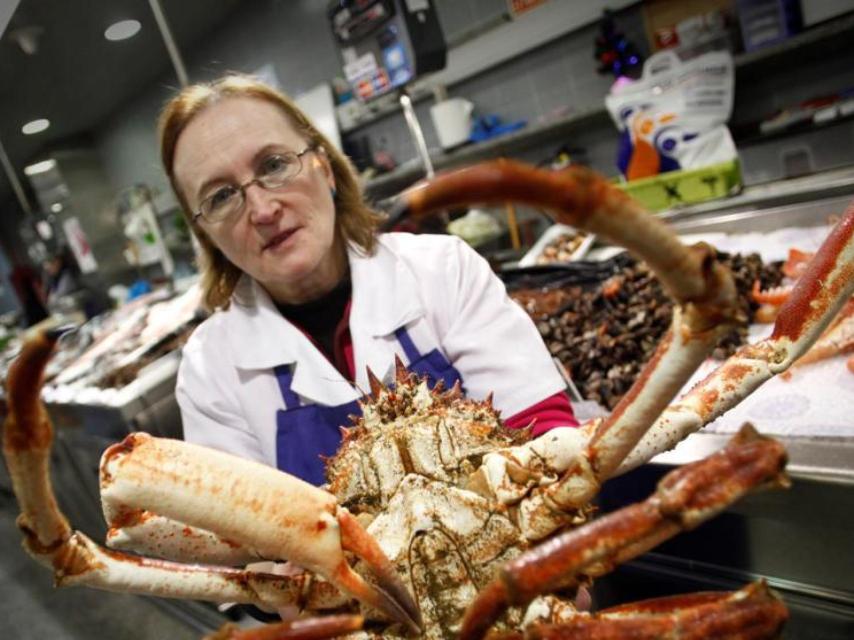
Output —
<point x="476" y="227"/>
<point x="674" y="117"/>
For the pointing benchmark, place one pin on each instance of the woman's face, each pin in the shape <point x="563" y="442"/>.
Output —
<point x="283" y="237"/>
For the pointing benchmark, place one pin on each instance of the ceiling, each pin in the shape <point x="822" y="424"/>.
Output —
<point x="76" y="78"/>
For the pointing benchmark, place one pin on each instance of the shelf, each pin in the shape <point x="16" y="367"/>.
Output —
<point x="807" y="126"/>
<point x="496" y="46"/>
<point x="815" y="42"/>
<point x="505" y="145"/>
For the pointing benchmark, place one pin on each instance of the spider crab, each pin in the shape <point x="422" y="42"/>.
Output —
<point x="429" y="495"/>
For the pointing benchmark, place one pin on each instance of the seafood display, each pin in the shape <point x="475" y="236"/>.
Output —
<point x="562" y="248"/>
<point x="560" y="243"/>
<point x="603" y="334"/>
<point x="434" y="517"/>
<point x="107" y="353"/>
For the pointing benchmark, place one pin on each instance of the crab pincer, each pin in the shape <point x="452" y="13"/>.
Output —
<point x="278" y="515"/>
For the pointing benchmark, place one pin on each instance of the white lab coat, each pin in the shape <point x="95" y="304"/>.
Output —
<point x="439" y="288"/>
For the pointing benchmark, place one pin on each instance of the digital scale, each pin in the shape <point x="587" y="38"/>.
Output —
<point x="386" y="44"/>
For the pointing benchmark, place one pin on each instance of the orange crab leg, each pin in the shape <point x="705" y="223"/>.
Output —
<point x="838" y="339"/>
<point x="702" y="288"/>
<point x="752" y="612"/>
<point x="277" y="514"/>
<point x="27" y="440"/>
<point x="685" y="498"/>
<point x="824" y="288"/>
<point x="308" y="629"/>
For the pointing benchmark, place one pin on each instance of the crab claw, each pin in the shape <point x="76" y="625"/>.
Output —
<point x="391" y="595"/>
<point x="278" y="515"/>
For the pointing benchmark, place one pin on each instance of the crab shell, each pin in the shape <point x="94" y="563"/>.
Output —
<point x="406" y="466"/>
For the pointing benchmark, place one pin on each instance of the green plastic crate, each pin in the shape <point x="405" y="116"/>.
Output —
<point x="676" y="188"/>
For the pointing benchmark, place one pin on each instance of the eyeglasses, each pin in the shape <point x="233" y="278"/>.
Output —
<point x="275" y="172"/>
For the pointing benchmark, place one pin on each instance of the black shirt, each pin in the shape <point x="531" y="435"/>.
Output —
<point x="320" y="318"/>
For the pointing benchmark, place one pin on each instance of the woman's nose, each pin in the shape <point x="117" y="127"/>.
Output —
<point x="261" y="204"/>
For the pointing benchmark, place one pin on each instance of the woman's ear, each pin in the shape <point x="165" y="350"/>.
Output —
<point x="326" y="165"/>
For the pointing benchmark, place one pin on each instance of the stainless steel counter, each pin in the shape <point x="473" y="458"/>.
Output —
<point x="829" y="460"/>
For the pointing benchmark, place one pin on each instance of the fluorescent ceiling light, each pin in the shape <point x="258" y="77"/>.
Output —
<point x="35" y="126"/>
<point x="40" y="167"/>
<point x="122" y="30"/>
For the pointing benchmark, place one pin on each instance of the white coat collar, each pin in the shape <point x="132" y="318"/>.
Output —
<point x="385" y="291"/>
<point x="385" y="298"/>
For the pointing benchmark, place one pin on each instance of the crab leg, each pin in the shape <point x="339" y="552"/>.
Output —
<point x="823" y="289"/>
<point x="74" y="558"/>
<point x="263" y="508"/>
<point x="685" y="498"/>
<point x="308" y="629"/>
<point x="752" y="612"/>
<point x="702" y="288"/>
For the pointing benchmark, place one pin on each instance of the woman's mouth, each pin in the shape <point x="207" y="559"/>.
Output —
<point x="278" y="239"/>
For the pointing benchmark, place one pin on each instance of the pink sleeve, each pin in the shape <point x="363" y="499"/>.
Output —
<point x="554" y="411"/>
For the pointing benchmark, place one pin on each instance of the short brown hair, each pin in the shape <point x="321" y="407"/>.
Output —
<point x="354" y="220"/>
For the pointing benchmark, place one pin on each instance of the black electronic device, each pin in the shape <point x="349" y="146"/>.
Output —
<point x="386" y="44"/>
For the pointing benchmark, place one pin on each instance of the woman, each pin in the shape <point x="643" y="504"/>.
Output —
<point x="307" y="295"/>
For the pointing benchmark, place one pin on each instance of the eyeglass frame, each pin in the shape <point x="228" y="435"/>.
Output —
<point x="241" y="188"/>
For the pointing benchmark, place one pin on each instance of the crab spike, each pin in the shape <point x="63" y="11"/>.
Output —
<point x="455" y="392"/>
<point x="685" y="498"/>
<point x="377" y="387"/>
<point x="488" y="400"/>
<point x="401" y="373"/>
<point x="439" y="387"/>
<point x="306" y="629"/>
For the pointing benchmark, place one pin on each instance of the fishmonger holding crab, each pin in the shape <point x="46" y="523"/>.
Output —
<point x="307" y="294"/>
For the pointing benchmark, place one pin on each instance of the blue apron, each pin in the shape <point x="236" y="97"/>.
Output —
<point x="304" y="433"/>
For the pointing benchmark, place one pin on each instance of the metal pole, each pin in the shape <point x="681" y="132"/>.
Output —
<point x="169" y="40"/>
<point x="13" y="179"/>
<point x="417" y="134"/>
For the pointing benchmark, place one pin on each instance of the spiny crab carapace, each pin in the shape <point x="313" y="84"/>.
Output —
<point x="435" y="506"/>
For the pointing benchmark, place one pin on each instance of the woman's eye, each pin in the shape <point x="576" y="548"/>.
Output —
<point x="221" y="197"/>
<point x="274" y="164"/>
